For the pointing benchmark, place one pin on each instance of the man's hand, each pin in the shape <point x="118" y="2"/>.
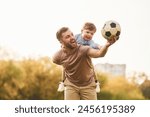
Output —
<point x="95" y="53"/>
<point x="111" y="41"/>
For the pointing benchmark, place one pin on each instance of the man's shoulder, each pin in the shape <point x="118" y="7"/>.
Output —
<point x="57" y="56"/>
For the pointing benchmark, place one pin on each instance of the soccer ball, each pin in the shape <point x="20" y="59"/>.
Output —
<point x="111" y="29"/>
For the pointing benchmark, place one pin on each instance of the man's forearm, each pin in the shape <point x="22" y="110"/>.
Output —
<point x="103" y="50"/>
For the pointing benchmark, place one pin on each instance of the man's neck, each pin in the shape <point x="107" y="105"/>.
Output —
<point x="69" y="50"/>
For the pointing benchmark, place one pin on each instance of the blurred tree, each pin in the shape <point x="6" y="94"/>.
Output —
<point x="145" y="88"/>
<point x="42" y="79"/>
<point x="138" y="77"/>
<point x="10" y="76"/>
<point x="119" y="88"/>
<point x="39" y="78"/>
<point x="102" y="78"/>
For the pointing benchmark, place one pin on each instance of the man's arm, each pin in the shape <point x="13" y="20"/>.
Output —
<point x="95" y="53"/>
<point x="93" y="44"/>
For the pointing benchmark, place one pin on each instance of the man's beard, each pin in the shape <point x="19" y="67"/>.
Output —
<point x="69" y="46"/>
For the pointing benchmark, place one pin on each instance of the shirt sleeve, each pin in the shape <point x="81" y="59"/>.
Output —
<point x="56" y="58"/>
<point x="79" y="39"/>
<point x="77" y="36"/>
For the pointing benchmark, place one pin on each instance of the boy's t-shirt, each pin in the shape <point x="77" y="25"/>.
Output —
<point x="90" y="43"/>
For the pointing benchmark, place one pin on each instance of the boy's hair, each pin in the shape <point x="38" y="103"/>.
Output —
<point x="60" y="31"/>
<point x="90" y="26"/>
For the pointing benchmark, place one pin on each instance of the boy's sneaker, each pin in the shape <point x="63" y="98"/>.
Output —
<point x="97" y="87"/>
<point x="61" y="87"/>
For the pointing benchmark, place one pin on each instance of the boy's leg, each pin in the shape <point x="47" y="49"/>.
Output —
<point x="98" y="87"/>
<point x="97" y="83"/>
<point x="61" y="84"/>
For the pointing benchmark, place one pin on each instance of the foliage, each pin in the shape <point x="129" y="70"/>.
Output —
<point x="145" y="88"/>
<point x="29" y="79"/>
<point x="118" y="88"/>
<point x="102" y="78"/>
<point x="11" y="76"/>
<point x="38" y="79"/>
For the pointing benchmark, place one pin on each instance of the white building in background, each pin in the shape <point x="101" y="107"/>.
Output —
<point x="114" y="69"/>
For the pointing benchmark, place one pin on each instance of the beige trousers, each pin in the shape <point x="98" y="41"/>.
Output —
<point x="73" y="92"/>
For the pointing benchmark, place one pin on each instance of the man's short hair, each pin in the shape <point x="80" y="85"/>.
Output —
<point x="60" y="31"/>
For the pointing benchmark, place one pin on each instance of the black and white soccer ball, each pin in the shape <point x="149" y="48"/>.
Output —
<point x="111" y="29"/>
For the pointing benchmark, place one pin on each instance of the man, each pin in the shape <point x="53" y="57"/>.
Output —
<point x="77" y="65"/>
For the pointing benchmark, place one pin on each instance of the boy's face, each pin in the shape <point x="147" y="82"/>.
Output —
<point x="87" y="34"/>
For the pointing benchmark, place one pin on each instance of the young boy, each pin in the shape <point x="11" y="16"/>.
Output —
<point x="86" y="35"/>
<point x="85" y="38"/>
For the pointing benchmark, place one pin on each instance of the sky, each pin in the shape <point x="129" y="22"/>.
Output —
<point x="28" y="27"/>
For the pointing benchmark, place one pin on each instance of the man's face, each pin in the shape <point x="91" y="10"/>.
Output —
<point x="68" y="40"/>
<point x="87" y="34"/>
